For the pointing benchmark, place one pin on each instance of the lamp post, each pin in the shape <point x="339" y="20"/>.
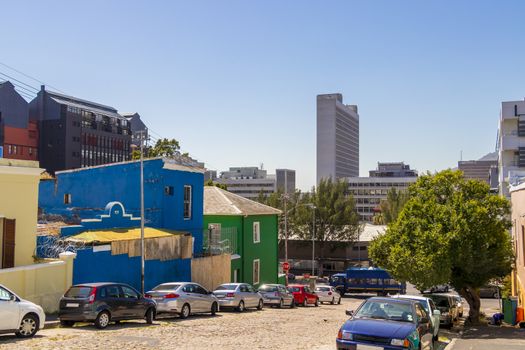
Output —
<point x="142" y="139"/>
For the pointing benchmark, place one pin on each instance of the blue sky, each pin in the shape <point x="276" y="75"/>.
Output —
<point x="236" y="81"/>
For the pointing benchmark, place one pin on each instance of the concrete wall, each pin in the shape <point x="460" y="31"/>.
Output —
<point x="19" y="201"/>
<point x="43" y="283"/>
<point x="211" y="271"/>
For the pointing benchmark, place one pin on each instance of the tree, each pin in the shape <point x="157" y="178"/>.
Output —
<point x="276" y="200"/>
<point x="336" y="218"/>
<point x="393" y="204"/>
<point x="451" y="230"/>
<point x="162" y="148"/>
<point x="216" y="184"/>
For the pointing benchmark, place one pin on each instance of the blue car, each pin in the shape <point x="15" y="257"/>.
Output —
<point x="387" y="323"/>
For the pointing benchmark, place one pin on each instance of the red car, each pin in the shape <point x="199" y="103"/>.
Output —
<point x="303" y="295"/>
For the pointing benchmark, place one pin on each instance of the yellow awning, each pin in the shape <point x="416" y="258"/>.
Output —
<point x="108" y="236"/>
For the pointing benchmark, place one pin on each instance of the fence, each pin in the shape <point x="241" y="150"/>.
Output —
<point x="211" y="271"/>
<point x="220" y="240"/>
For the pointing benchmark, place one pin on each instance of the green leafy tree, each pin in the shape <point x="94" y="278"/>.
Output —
<point x="216" y="184"/>
<point x="277" y="200"/>
<point x="336" y="218"/>
<point x="393" y="204"/>
<point x="164" y="148"/>
<point x="451" y="230"/>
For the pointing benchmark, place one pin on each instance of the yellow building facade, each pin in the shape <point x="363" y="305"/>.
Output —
<point x="18" y="211"/>
<point x="518" y="239"/>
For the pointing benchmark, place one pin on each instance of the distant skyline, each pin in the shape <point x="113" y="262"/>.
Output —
<point x="236" y="82"/>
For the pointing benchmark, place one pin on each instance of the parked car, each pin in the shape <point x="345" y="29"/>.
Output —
<point x="303" y="295"/>
<point x="19" y="316"/>
<point x="459" y="303"/>
<point x="430" y="308"/>
<point x="183" y="298"/>
<point x="328" y="294"/>
<point x="102" y="303"/>
<point x="239" y="296"/>
<point x="446" y="304"/>
<point x="489" y="291"/>
<point x="387" y="323"/>
<point x="440" y="288"/>
<point x="276" y="295"/>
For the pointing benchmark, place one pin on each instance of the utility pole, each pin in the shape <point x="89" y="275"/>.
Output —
<point x="142" y="139"/>
<point x="313" y="239"/>
<point x="285" y="198"/>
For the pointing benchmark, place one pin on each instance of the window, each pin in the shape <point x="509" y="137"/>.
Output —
<point x="67" y="198"/>
<point x="187" y="202"/>
<point x="256" y="271"/>
<point x="129" y="293"/>
<point x="200" y="290"/>
<point x="4" y="294"/>
<point x="168" y="190"/>
<point x="256" y="232"/>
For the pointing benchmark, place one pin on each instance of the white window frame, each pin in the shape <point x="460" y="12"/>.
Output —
<point x="256" y="278"/>
<point x="189" y="202"/>
<point x="256" y="232"/>
<point x="67" y="198"/>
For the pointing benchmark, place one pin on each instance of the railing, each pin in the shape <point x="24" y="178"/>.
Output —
<point x="220" y="240"/>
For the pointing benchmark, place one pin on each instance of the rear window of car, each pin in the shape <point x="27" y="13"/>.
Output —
<point x="323" y="289"/>
<point x="227" y="287"/>
<point x="441" y="301"/>
<point x="266" y="288"/>
<point x="294" y="289"/>
<point x="167" y="286"/>
<point x="78" y="292"/>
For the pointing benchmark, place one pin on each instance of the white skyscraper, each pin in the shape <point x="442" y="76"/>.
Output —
<point x="337" y="138"/>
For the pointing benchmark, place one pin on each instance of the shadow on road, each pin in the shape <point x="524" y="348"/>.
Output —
<point x="493" y="332"/>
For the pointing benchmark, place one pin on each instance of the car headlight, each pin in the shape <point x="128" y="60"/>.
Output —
<point x="400" y="342"/>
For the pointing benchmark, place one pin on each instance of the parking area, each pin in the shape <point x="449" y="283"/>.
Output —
<point x="300" y="328"/>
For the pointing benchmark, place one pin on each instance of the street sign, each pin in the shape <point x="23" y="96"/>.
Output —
<point x="286" y="266"/>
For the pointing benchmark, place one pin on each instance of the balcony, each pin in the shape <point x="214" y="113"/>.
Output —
<point x="511" y="141"/>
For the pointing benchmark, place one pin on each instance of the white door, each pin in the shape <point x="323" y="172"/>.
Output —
<point x="9" y="311"/>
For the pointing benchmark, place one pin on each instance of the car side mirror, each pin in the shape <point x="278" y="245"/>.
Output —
<point x="350" y="312"/>
<point x="12" y="297"/>
<point x="437" y="313"/>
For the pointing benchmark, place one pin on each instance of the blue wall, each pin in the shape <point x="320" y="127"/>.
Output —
<point x="104" y="267"/>
<point x="92" y="188"/>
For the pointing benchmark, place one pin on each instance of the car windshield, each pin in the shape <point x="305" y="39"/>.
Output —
<point x="294" y="289"/>
<point x="266" y="288"/>
<point x="227" y="287"/>
<point x="167" y="286"/>
<point x="78" y="292"/>
<point x="386" y="310"/>
<point x="323" y="289"/>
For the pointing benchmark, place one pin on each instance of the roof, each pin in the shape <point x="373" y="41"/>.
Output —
<point x="389" y="300"/>
<point x="126" y="234"/>
<point x="87" y="107"/>
<point x="409" y="297"/>
<point x="220" y="202"/>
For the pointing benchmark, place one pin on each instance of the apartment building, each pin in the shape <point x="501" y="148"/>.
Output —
<point x="368" y="192"/>
<point x="481" y="169"/>
<point x="76" y="133"/>
<point x="18" y="133"/>
<point x="511" y="145"/>
<point x="337" y="138"/>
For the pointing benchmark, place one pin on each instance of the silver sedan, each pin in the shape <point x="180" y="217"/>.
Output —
<point x="328" y="294"/>
<point x="277" y="295"/>
<point x="183" y="298"/>
<point x="239" y="296"/>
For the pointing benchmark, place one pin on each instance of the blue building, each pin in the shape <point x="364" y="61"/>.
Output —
<point x="173" y="194"/>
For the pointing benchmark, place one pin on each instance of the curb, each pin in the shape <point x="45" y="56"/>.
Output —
<point x="51" y="324"/>
<point x="450" y="345"/>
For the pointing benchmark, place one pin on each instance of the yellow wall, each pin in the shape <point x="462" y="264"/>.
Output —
<point x="43" y="283"/>
<point x="19" y="201"/>
<point x="518" y="224"/>
<point x="211" y="271"/>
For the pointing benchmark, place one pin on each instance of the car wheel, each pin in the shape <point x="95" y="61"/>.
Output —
<point x="333" y="301"/>
<point x="316" y="304"/>
<point x="305" y="302"/>
<point x="65" y="323"/>
<point x="292" y="304"/>
<point x="102" y="320"/>
<point x="150" y="315"/>
<point x="214" y="309"/>
<point x="281" y="304"/>
<point x="185" y="311"/>
<point x="28" y="326"/>
<point x="240" y="308"/>
<point x="261" y="305"/>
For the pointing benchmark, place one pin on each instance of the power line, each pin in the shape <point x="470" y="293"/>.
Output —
<point x="30" y="77"/>
<point x="21" y="82"/>
<point x="21" y="87"/>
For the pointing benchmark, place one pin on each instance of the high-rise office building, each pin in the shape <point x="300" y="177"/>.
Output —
<point x="337" y="138"/>
<point x="285" y="180"/>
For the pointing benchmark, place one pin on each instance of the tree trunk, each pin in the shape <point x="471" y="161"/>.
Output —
<point x="472" y="298"/>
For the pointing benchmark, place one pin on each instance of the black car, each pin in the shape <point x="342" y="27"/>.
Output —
<point x="103" y="303"/>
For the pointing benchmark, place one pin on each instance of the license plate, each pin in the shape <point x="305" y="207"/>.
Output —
<point x="72" y="304"/>
<point x="158" y="298"/>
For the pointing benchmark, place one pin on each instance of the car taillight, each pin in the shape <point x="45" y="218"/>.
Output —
<point x="91" y="298"/>
<point x="147" y="295"/>
<point x="230" y="295"/>
<point x="329" y="293"/>
<point x="171" y="296"/>
<point x="340" y="334"/>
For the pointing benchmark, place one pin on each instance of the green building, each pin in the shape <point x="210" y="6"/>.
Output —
<point x="246" y="229"/>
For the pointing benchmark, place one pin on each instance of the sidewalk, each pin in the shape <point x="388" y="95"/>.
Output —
<point x="490" y="338"/>
<point x="52" y="321"/>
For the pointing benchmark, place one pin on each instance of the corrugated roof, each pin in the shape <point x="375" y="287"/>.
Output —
<point x="87" y="108"/>
<point x="126" y="234"/>
<point x="220" y="202"/>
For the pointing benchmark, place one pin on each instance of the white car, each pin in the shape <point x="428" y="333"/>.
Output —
<point x="328" y="294"/>
<point x="19" y="316"/>
<point x="430" y="308"/>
